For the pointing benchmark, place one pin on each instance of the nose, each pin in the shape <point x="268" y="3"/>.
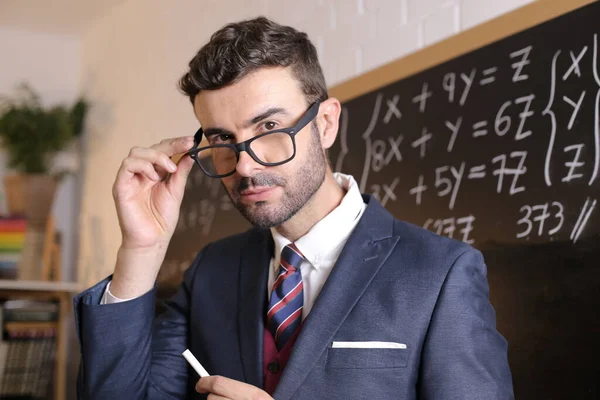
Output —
<point x="246" y="166"/>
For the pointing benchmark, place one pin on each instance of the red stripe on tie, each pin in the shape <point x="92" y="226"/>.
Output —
<point x="288" y="297"/>
<point x="280" y="279"/>
<point x="287" y="265"/>
<point x="288" y="321"/>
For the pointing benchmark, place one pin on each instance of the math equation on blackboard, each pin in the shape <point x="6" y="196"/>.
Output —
<point x="503" y="143"/>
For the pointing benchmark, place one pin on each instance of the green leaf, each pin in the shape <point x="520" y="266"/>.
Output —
<point x="31" y="134"/>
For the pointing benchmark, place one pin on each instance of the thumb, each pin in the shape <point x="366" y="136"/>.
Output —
<point x="177" y="180"/>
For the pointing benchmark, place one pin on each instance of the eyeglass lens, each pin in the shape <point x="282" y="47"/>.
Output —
<point x="275" y="147"/>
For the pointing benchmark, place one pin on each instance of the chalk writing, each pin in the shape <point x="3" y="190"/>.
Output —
<point x="538" y="214"/>
<point x="584" y="215"/>
<point x="515" y="172"/>
<point x="447" y="227"/>
<point x="519" y="65"/>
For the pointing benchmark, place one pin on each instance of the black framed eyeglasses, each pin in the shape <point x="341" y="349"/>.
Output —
<point x="270" y="149"/>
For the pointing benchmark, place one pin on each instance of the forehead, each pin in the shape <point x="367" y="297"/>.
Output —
<point x="266" y="87"/>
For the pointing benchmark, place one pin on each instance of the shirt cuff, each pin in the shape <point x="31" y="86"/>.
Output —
<point x="108" y="297"/>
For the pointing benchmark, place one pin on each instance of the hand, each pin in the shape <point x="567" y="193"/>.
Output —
<point x="147" y="199"/>
<point x="147" y="203"/>
<point x="221" y="388"/>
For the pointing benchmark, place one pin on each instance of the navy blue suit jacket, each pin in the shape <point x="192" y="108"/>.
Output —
<point x="393" y="282"/>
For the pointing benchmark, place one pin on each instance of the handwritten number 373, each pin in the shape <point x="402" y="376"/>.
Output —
<point x="539" y="214"/>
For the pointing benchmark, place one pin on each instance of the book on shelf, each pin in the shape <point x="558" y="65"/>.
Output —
<point x="27" y="348"/>
<point x="12" y="241"/>
<point x="12" y="223"/>
<point x="29" y="310"/>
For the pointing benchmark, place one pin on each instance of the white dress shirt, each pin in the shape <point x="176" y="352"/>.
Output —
<point x="323" y="243"/>
<point x="321" y="246"/>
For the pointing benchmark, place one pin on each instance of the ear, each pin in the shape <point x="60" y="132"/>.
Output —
<point x="328" y="121"/>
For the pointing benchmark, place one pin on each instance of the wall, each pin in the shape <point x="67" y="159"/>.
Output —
<point x="50" y="63"/>
<point x="133" y="56"/>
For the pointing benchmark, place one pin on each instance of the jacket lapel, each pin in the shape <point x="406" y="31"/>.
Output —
<point x="252" y="289"/>
<point x="366" y="250"/>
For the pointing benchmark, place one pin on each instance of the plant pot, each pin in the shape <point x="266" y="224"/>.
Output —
<point x="30" y="195"/>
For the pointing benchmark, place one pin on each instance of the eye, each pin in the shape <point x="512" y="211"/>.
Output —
<point x="270" y="125"/>
<point x="220" y="138"/>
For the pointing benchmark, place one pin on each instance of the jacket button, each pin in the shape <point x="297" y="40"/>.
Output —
<point x="273" y="367"/>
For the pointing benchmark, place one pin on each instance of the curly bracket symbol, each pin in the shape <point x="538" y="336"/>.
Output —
<point x="548" y="111"/>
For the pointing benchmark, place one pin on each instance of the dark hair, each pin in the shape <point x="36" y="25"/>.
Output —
<point x="243" y="47"/>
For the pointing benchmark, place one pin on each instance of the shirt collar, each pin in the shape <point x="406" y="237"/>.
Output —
<point x="325" y="240"/>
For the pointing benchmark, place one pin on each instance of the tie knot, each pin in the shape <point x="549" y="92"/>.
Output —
<point x="291" y="256"/>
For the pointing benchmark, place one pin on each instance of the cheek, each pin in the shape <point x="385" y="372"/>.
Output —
<point x="289" y="169"/>
<point x="304" y="147"/>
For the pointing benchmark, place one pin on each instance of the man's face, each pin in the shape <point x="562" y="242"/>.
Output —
<point x="267" y="99"/>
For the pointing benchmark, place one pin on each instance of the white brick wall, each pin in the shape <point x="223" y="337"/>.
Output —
<point x="354" y="36"/>
<point x="441" y="23"/>
<point x="134" y="55"/>
<point x="474" y="12"/>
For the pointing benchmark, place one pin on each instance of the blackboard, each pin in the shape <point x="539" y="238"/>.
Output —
<point x="493" y="138"/>
<point x="206" y="215"/>
<point x="500" y="147"/>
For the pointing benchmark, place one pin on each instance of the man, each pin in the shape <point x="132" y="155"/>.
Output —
<point x="328" y="297"/>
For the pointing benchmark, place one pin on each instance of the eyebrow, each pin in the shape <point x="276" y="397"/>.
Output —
<point x="252" y="121"/>
<point x="264" y="115"/>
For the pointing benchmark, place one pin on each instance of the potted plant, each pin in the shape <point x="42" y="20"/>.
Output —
<point x="32" y="136"/>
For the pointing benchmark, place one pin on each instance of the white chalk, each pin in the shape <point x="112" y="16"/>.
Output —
<point x="195" y="363"/>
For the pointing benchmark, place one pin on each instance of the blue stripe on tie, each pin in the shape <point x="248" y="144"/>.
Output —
<point x="288" y="285"/>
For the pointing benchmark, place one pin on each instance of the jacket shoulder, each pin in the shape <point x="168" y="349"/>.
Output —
<point x="415" y="233"/>
<point x="429" y="250"/>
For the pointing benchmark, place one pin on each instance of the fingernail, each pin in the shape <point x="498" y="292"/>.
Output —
<point x="172" y="166"/>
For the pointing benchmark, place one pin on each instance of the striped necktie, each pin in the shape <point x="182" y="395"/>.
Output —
<point x="287" y="297"/>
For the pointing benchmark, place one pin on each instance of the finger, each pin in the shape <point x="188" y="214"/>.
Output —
<point x="177" y="180"/>
<point x="227" y="388"/>
<point x="216" y="384"/>
<point x="156" y="157"/>
<point x="213" y="396"/>
<point x="136" y="166"/>
<point x="175" y="145"/>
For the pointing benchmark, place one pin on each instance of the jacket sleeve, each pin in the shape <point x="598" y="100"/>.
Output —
<point x="125" y="352"/>
<point x="464" y="356"/>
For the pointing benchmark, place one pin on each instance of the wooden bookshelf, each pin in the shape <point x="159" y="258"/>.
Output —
<point x="31" y="290"/>
<point x="49" y="287"/>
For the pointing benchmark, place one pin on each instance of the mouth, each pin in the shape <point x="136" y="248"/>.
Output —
<point x="257" y="193"/>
